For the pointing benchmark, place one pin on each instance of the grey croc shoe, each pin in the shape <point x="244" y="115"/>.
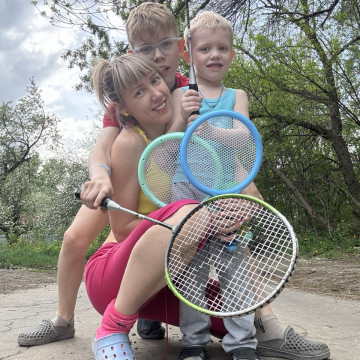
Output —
<point x="294" y="347"/>
<point x="45" y="333"/>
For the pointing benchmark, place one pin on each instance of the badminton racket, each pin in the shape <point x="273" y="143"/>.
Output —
<point x="236" y="141"/>
<point x="249" y="278"/>
<point x="160" y="172"/>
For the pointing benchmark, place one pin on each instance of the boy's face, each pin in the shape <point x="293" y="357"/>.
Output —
<point x="212" y="53"/>
<point x="168" y="62"/>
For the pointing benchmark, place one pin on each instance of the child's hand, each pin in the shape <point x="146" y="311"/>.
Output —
<point x="229" y="221"/>
<point x="190" y="102"/>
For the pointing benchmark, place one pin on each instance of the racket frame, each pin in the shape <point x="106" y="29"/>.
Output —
<point x="268" y="299"/>
<point x="158" y="142"/>
<point x="175" y="229"/>
<point x="187" y="137"/>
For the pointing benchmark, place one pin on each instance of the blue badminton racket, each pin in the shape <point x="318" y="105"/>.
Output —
<point x="236" y="141"/>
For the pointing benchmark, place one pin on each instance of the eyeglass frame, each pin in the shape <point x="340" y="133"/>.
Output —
<point x="155" y="46"/>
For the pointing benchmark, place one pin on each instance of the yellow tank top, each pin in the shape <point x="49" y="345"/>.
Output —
<point x="144" y="205"/>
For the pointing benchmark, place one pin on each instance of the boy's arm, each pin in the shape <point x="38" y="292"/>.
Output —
<point x="241" y="103"/>
<point x="99" y="164"/>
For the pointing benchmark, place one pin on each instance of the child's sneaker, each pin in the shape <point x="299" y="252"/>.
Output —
<point x="194" y="352"/>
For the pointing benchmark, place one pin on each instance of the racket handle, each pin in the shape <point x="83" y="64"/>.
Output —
<point x="78" y="193"/>
<point x="103" y="204"/>
<point x="194" y="87"/>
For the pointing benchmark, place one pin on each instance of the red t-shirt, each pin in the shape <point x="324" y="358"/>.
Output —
<point x="110" y="119"/>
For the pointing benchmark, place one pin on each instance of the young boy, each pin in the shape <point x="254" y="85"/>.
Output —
<point x="212" y="52"/>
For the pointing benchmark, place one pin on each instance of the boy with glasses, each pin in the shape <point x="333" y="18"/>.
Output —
<point x="152" y="32"/>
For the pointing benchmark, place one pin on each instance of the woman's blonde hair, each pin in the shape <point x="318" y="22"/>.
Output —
<point x="111" y="79"/>
<point x="149" y="18"/>
<point x="208" y="20"/>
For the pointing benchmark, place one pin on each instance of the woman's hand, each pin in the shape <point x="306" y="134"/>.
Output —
<point x="94" y="192"/>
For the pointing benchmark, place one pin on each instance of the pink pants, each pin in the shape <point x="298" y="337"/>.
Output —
<point x="105" y="269"/>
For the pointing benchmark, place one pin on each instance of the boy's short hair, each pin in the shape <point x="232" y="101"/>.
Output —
<point x="149" y="18"/>
<point x="208" y="20"/>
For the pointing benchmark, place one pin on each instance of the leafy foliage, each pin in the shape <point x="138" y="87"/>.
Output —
<point x="304" y="99"/>
<point x="299" y="63"/>
<point x="36" y="193"/>
<point x="24" y="127"/>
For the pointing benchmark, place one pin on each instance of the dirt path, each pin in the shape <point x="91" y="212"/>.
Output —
<point x="331" y="277"/>
<point x="339" y="278"/>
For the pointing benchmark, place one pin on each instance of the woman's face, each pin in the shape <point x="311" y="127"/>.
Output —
<point x="149" y="100"/>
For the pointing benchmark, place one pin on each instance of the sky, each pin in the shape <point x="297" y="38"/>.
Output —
<point x="31" y="47"/>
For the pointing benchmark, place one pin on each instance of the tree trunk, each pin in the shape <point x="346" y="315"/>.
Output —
<point x="298" y="195"/>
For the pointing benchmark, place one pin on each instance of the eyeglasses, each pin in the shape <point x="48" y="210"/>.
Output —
<point x="166" y="46"/>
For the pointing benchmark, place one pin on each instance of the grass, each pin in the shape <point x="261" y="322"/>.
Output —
<point x="328" y="246"/>
<point x="40" y="254"/>
<point x="28" y="254"/>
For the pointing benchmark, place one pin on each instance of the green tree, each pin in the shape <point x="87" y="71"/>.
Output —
<point x="299" y="61"/>
<point x="52" y="201"/>
<point x="24" y="129"/>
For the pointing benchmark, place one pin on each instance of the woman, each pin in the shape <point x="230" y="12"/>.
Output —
<point x="125" y="276"/>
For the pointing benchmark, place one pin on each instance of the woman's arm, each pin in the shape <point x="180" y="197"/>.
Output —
<point x="125" y="155"/>
<point x="99" y="186"/>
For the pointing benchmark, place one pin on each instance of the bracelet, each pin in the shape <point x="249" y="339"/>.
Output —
<point x="104" y="166"/>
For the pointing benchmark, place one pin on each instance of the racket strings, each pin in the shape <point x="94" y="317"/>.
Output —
<point x="235" y="147"/>
<point x="159" y="169"/>
<point x="252" y="274"/>
<point x="163" y="178"/>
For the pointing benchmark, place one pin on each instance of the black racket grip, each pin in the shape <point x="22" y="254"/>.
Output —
<point x="196" y="88"/>
<point x="103" y="204"/>
<point x="193" y="87"/>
